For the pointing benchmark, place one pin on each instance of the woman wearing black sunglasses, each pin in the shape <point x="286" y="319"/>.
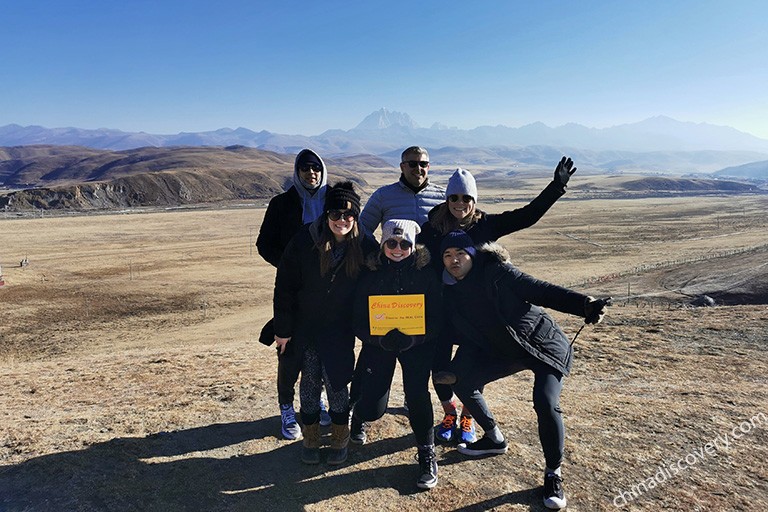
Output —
<point x="459" y="211"/>
<point x="314" y="292"/>
<point x="400" y="269"/>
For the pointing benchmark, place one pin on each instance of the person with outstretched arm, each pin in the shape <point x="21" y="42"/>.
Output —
<point x="497" y="311"/>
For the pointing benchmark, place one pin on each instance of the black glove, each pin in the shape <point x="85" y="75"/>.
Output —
<point x="392" y="340"/>
<point x="564" y="170"/>
<point x="594" y="309"/>
<point x="396" y="341"/>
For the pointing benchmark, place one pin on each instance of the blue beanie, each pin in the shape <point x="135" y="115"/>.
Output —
<point x="459" y="240"/>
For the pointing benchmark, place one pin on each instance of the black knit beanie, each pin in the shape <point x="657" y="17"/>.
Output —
<point x="460" y="240"/>
<point x="342" y="196"/>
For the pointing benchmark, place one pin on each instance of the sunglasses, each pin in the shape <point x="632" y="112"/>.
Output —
<point x="392" y="244"/>
<point x="310" y="168"/>
<point x="465" y="198"/>
<point x="335" y="215"/>
<point x="414" y="163"/>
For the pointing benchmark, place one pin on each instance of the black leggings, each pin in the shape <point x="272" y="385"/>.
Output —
<point x="475" y="368"/>
<point x="376" y="370"/>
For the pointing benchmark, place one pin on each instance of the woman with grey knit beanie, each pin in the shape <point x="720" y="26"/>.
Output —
<point x="459" y="211"/>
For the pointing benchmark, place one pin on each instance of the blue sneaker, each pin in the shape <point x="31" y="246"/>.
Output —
<point x="446" y="429"/>
<point x="468" y="433"/>
<point x="290" y="428"/>
<point x="325" y="418"/>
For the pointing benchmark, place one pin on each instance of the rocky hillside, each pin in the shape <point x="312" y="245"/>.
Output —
<point x="81" y="178"/>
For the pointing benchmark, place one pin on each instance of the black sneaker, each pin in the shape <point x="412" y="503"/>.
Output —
<point x="357" y="431"/>
<point x="483" y="447"/>
<point x="428" y="467"/>
<point x="554" y="498"/>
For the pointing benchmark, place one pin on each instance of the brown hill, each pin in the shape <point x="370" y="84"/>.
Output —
<point x="82" y="178"/>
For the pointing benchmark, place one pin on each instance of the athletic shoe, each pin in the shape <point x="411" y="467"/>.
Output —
<point x="446" y="429"/>
<point x="468" y="432"/>
<point x="357" y="431"/>
<point x="483" y="447"/>
<point x="325" y="418"/>
<point x="428" y="467"/>
<point x="290" y="428"/>
<point x="554" y="497"/>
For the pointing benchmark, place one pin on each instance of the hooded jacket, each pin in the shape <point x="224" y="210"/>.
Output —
<point x="313" y="309"/>
<point x="286" y="212"/>
<point x="386" y="277"/>
<point x="513" y="299"/>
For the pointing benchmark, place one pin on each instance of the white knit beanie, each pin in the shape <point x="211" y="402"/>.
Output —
<point x="461" y="183"/>
<point x="400" y="229"/>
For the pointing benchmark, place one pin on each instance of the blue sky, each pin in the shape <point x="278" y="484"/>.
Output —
<point x="299" y="67"/>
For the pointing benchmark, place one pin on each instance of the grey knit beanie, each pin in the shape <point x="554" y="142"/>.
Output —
<point x="401" y="229"/>
<point x="461" y="183"/>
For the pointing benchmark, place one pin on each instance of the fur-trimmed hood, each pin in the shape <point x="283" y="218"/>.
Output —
<point x="495" y="250"/>
<point x="374" y="261"/>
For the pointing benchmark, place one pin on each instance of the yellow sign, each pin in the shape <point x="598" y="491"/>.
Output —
<point x="404" y="312"/>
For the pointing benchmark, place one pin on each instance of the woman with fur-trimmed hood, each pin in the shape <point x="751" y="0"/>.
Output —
<point x="400" y="268"/>
<point x="460" y="211"/>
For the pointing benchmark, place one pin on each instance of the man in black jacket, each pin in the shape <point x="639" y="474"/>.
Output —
<point x="301" y="204"/>
<point x="493" y="307"/>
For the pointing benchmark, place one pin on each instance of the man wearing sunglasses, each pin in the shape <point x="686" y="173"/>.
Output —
<point x="301" y="204"/>
<point x="410" y="198"/>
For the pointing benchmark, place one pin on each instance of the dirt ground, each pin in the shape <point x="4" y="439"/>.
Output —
<point x="131" y="378"/>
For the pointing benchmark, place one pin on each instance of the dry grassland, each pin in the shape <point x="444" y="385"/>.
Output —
<point x="131" y="378"/>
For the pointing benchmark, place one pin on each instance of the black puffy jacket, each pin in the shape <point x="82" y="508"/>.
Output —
<point x="513" y="299"/>
<point x="410" y="276"/>
<point x="316" y="310"/>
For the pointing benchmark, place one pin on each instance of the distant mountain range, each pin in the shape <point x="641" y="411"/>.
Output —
<point x="659" y="144"/>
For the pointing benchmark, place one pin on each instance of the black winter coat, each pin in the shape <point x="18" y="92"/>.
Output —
<point x="492" y="226"/>
<point x="282" y="220"/>
<point x="316" y="310"/>
<point x="512" y="298"/>
<point x="410" y="276"/>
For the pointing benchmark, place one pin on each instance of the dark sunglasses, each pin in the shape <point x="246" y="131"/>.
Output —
<point x="413" y="163"/>
<point x="465" y="198"/>
<point x="310" y="167"/>
<point x="392" y="244"/>
<point x="335" y="215"/>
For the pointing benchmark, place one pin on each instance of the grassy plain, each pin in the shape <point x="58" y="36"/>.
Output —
<point x="131" y="378"/>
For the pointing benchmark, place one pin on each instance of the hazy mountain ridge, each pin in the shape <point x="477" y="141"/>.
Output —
<point x="753" y="171"/>
<point x="385" y="130"/>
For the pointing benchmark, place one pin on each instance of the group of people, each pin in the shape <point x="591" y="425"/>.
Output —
<point x="435" y="246"/>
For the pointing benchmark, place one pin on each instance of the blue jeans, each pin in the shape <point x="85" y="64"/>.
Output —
<point x="474" y="368"/>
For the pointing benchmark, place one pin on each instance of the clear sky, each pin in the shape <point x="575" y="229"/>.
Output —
<point x="301" y="67"/>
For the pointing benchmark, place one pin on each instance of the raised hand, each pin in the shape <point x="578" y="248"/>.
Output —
<point x="564" y="170"/>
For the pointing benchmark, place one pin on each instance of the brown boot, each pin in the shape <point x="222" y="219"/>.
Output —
<point x="339" y="443"/>
<point x="310" y="450"/>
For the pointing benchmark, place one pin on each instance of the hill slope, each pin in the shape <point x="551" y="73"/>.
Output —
<point x="82" y="178"/>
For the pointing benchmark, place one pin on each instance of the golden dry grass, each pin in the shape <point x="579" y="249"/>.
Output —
<point x="131" y="378"/>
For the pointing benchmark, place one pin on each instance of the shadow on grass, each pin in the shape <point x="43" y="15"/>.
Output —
<point x="171" y="471"/>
